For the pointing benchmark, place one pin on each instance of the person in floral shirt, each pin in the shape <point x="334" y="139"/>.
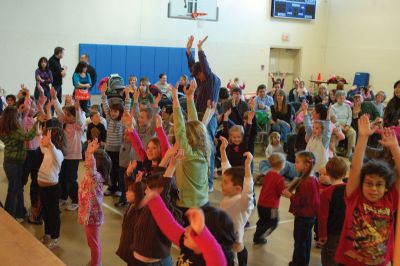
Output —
<point x="90" y="213"/>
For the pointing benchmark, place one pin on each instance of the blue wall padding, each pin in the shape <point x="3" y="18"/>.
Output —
<point x="127" y="60"/>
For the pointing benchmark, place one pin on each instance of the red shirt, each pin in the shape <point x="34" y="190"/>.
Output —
<point x="368" y="236"/>
<point x="271" y="190"/>
<point x="305" y="202"/>
<point x="331" y="210"/>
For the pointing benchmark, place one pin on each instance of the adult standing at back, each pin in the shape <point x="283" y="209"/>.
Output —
<point x="391" y="116"/>
<point x="57" y="70"/>
<point x="163" y="86"/>
<point x="90" y="69"/>
<point x="208" y="87"/>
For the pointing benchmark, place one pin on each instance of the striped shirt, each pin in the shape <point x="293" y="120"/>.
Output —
<point x="114" y="128"/>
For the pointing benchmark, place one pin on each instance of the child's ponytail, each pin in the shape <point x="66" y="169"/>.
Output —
<point x="309" y="159"/>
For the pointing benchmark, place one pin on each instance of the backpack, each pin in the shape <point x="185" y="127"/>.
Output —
<point x="115" y="85"/>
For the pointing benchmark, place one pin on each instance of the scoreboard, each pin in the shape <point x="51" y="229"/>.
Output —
<point x="295" y="9"/>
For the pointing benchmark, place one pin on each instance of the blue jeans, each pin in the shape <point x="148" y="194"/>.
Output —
<point x="282" y="129"/>
<point x="212" y="128"/>
<point x="15" y="198"/>
<point x="288" y="171"/>
<point x="302" y="234"/>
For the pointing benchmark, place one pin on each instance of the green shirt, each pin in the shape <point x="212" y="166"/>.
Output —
<point x="15" y="149"/>
<point x="192" y="172"/>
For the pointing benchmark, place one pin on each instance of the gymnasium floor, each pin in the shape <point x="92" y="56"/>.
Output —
<point x="74" y="251"/>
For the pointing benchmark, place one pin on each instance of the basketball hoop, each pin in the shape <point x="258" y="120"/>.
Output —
<point x="195" y="15"/>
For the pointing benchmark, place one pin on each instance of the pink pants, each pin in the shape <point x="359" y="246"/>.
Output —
<point x="93" y="239"/>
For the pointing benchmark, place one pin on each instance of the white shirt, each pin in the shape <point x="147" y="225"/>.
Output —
<point x="51" y="165"/>
<point x="240" y="206"/>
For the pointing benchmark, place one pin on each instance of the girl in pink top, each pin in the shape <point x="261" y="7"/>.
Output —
<point x="206" y="241"/>
<point x="90" y="213"/>
<point x="156" y="147"/>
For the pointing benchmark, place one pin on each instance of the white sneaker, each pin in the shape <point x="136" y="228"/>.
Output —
<point x="53" y="243"/>
<point x="62" y="202"/>
<point x="45" y="239"/>
<point x="72" y="207"/>
<point x="118" y="193"/>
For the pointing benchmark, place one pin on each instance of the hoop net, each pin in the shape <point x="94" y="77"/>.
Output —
<point x="195" y="15"/>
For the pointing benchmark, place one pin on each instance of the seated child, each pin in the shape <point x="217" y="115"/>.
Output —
<point x="96" y="130"/>
<point x="371" y="202"/>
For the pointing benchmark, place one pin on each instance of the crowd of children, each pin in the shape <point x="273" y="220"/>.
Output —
<point x="156" y="158"/>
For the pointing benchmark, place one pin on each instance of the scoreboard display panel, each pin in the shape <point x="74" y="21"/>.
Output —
<point x="294" y="9"/>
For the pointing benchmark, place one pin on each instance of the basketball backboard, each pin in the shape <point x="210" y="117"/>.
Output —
<point x="184" y="9"/>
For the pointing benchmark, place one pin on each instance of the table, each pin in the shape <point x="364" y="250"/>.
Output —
<point x="20" y="247"/>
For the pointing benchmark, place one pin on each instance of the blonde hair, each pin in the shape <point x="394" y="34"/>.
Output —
<point x="198" y="139"/>
<point x="276" y="159"/>
<point x="272" y="135"/>
<point x="236" y="128"/>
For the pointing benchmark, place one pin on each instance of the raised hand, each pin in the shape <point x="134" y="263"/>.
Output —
<point x="364" y="127"/>
<point x="103" y="88"/>
<point x="196" y="220"/>
<point x="157" y="99"/>
<point x="53" y="93"/>
<point x="136" y="94"/>
<point x="158" y="121"/>
<point x="224" y="143"/>
<point x="389" y="138"/>
<point x="132" y="166"/>
<point x="139" y="177"/>
<point x="252" y="104"/>
<point x="227" y="114"/>
<point x="249" y="157"/>
<point x="127" y="120"/>
<point x="189" y="43"/>
<point x="47" y="138"/>
<point x="189" y="92"/>
<point x="250" y="116"/>
<point x="201" y="42"/>
<point x="304" y="107"/>
<point x="93" y="145"/>
<point x="77" y="105"/>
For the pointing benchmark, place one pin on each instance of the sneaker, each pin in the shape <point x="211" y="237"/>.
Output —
<point x="45" y="239"/>
<point x="62" y="202"/>
<point x="108" y="192"/>
<point x="53" y="243"/>
<point x="35" y="220"/>
<point x="120" y="204"/>
<point x="262" y="241"/>
<point x="211" y="189"/>
<point x="72" y="207"/>
<point x="117" y="193"/>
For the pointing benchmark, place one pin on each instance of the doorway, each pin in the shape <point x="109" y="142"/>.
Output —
<point x="284" y="62"/>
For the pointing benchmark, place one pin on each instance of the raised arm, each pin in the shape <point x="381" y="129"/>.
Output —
<point x="389" y="140"/>
<point x="179" y="124"/>
<point x="56" y="103"/>
<point x="104" y="102"/>
<point x="165" y="221"/>
<point x="364" y="131"/>
<point x="224" y="158"/>
<point x="246" y="200"/>
<point x="133" y="136"/>
<point x="162" y="137"/>
<point x="90" y="162"/>
<point x="189" y="55"/>
<point x="191" y="108"/>
<point x="205" y="68"/>
<point x="208" y="245"/>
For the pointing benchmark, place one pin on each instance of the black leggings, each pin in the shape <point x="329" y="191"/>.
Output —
<point x="49" y="197"/>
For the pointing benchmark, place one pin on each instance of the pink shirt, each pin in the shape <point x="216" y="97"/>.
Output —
<point x="90" y="195"/>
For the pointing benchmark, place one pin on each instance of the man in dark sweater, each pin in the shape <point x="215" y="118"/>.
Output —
<point x="90" y="69"/>
<point x="57" y="71"/>
<point x="208" y="86"/>
<point x="237" y="105"/>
